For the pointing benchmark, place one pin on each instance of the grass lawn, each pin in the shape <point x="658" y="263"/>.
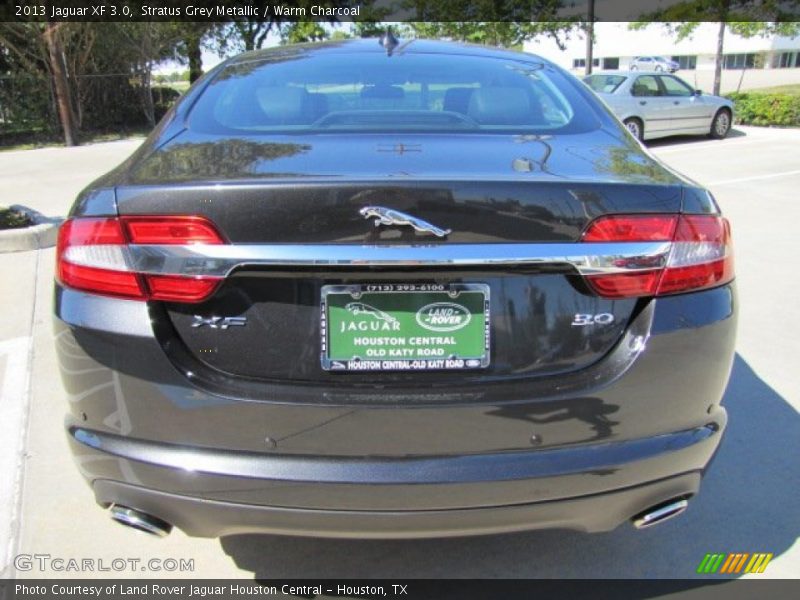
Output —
<point x="792" y="89"/>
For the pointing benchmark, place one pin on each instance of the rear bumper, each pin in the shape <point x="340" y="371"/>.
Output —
<point x="588" y="488"/>
<point x="585" y="452"/>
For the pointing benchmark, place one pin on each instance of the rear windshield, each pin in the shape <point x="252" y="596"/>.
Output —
<point x="607" y="84"/>
<point x="374" y="92"/>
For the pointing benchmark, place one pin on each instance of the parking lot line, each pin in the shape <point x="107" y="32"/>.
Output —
<point x="15" y="353"/>
<point x="704" y="145"/>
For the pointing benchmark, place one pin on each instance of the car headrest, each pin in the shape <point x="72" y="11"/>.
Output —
<point x="500" y="106"/>
<point x="284" y="104"/>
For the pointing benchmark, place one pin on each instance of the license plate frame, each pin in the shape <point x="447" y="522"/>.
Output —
<point x="434" y="301"/>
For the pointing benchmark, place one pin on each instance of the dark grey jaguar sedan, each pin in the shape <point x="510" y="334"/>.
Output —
<point x="393" y="289"/>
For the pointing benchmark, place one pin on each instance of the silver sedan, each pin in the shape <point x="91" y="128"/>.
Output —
<point x="653" y="105"/>
<point x="653" y="63"/>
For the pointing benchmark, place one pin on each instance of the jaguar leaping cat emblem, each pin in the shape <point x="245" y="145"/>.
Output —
<point x="390" y="216"/>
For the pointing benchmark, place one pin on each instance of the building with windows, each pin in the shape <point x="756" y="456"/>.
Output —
<point x="616" y="45"/>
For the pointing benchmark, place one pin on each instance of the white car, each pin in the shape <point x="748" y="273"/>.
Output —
<point x="654" y="105"/>
<point x="653" y="63"/>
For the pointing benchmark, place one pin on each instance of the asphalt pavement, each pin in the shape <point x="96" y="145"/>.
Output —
<point x="747" y="504"/>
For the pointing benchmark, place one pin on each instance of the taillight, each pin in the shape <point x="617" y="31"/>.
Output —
<point x="631" y="228"/>
<point x="700" y="254"/>
<point x="93" y="256"/>
<point x="171" y="230"/>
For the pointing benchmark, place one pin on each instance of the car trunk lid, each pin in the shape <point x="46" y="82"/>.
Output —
<point x="294" y="229"/>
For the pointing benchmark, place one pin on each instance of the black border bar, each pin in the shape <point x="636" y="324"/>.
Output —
<point x="398" y="10"/>
<point x="406" y="589"/>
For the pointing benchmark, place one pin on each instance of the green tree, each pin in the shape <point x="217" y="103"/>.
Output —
<point x="588" y="30"/>
<point x="245" y="34"/>
<point x="340" y="34"/>
<point x="742" y="17"/>
<point x="147" y="43"/>
<point x="370" y="22"/>
<point x="190" y="39"/>
<point x="55" y="53"/>
<point x="303" y="31"/>
<point x="505" y="23"/>
<point x="35" y="53"/>
<point x="78" y="76"/>
<point x="505" y="34"/>
<point x="368" y="29"/>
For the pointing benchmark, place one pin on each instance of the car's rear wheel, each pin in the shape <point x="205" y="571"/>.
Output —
<point x="659" y="68"/>
<point x="634" y="68"/>
<point x="635" y="126"/>
<point x="721" y="124"/>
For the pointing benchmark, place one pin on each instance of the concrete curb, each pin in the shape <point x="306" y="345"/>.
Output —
<point x="42" y="234"/>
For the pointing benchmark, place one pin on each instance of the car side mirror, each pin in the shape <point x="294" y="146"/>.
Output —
<point x="698" y="92"/>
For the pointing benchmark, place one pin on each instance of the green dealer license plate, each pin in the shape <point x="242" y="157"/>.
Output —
<point x="405" y="327"/>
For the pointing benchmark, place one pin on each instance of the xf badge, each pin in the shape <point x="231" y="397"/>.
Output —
<point x="218" y="322"/>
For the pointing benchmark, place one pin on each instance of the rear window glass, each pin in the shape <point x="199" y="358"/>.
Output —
<point x="607" y="84"/>
<point x="374" y="92"/>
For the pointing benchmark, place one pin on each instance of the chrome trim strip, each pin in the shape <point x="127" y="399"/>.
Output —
<point x="220" y="260"/>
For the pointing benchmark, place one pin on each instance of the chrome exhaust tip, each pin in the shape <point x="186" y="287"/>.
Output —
<point x="660" y="513"/>
<point x="140" y="521"/>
